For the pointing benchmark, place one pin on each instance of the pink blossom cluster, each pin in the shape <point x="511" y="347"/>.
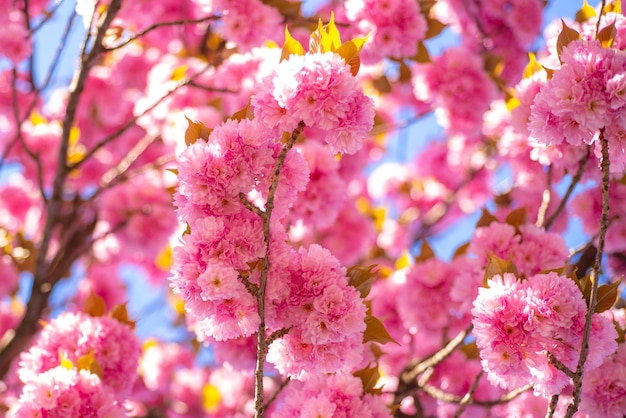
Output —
<point x="56" y="383"/>
<point x="224" y="187"/>
<point x="319" y="90"/>
<point x="60" y="393"/>
<point x="584" y="96"/>
<point x="328" y="396"/>
<point x="324" y="315"/>
<point x="172" y="383"/>
<point x="504" y="28"/>
<point x="530" y="248"/>
<point x="517" y="323"/>
<point x="394" y="26"/>
<point x="456" y="83"/>
<point x="604" y="388"/>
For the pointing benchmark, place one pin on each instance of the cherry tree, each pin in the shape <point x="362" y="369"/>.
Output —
<point x="252" y="161"/>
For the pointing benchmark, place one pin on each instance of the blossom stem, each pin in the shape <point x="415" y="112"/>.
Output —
<point x="595" y="275"/>
<point x="262" y="340"/>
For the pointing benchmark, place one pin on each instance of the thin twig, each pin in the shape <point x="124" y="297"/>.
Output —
<point x="46" y="18"/>
<point x="467" y="399"/>
<point x="115" y="135"/>
<point x="161" y="25"/>
<point x="407" y="380"/>
<point x="282" y="386"/>
<point x="249" y="205"/>
<point x="554" y="401"/>
<point x="57" y="53"/>
<point x="545" y="200"/>
<point x="560" y="366"/>
<point x="575" y="180"/>
<point x="595" y="277"/>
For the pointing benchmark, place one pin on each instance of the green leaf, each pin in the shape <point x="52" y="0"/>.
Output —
<point x="607" y="295"/>
<point x="566" y="36"/>
<point x="291" y="46"/>
<point x="486" y="219"/>
<point x="362" y="278"/>
<point x="375" y="331"/>
<point x="585" y="13"/>
<point x="607" y="35"/>
<point x="369" y="377"/>
<point x="497" y="266"/>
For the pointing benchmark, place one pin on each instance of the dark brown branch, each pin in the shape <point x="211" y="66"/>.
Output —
<point x="43" y="280"/>
<point x="560" y="366"/>
<point x="467" y="398"/>
<point x="554" y="401"/>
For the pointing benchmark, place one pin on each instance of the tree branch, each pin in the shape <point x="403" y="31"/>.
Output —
<point x="595" y="277"/>
<point x="267" y="215"/>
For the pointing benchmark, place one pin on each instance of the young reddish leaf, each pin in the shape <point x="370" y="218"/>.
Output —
<point x="369" y="378"/>
<point x="89" y="363"/>
<point x="245" y="113"/>
<point x="607" y="35"/>
<point x="486" y="219"/>
<point x="585" y="285"/>
<point x="362" y="278"/>
<point x="291" y="46"/>
<point x="330" y="40"/>
<point x="497" y="266"/>
<point x="614" y="7"/>
<point x="435" y="27"/>
<point x="94" y="305"/>
<point x="382" y="84"/>
<point x="585" y="13"/>
<point x="211" y="397"/>
<point x="549" y="72"/>
<point x="566" y="36"/>
<point x="532" y="67"/>
<point x="164" y="259"/>
<point x="179" y="73"/>
<point x="65" y="362"/>
<point x="607" y="295"/>
<point x="404" y="73"/>
<point x="375" y="331"/>
<point x="516" y="217"/>
<point x="461" y="250"/>
<point x="426" y="253"/>
<point x="422" y="56"/>
<point x="403" y="261"/>
<point x="196" y="130"/>
<point x="470" y="350"/>
<point x="120" y="313"/>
